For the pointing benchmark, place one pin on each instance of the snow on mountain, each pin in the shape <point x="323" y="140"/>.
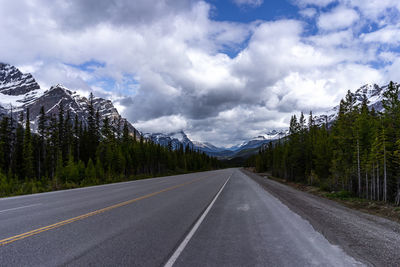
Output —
<point x="374" y="94"/>
<point x="179" y="138"/>
<point x="258" y="141"/>
<point x="207" y="147"/>
<point x="13" y="82"/>
<point x="20" y="91"/>
<point x="275" y="135"/>
<point x="17" y="89"/>
<point x="175" y="139"/>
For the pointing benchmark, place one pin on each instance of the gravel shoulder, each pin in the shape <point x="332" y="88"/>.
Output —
<point x="368" y="238"/>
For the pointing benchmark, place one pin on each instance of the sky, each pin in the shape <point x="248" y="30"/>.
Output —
<point x="222" y="71"/>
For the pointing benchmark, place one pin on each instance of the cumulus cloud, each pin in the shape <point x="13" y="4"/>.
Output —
<point x="339" y="18"/>
<point x="380" y="11"/>
<point x="164" y="64"/>
<point x="172" y="123"/>
<point x="387" y="35"/>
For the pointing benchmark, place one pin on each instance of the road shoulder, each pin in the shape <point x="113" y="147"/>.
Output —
<point x="368" y="238"/>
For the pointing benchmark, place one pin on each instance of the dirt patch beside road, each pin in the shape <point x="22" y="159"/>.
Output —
<point x="368" y="238"/>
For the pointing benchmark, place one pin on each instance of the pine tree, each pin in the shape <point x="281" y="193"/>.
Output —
<point x="71" y="170"/>
<point x="59" y="172"/>
<point x="99" y="170"/>
<point x="28" y="149"/>
<point x="42" y="126"/>
<point x="75" y="138"/>
<point x="5" y="144"/>
<point x="125" y="134"/>
<point x="106" y="130"/>
<point x="18" y="153"/>
<point x="68" y="136"/>
<point x="92" y="130"/>
<point x="61" y="130"/>
<point x="90" y="173"/>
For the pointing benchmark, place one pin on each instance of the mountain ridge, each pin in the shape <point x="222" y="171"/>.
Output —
<point x="372" y="91"/>
<point x="20" y="91"/>
<point x="179" y="138"/>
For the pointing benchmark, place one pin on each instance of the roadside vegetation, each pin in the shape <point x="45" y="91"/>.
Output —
<point x="68" y="153"/>
<point x="357" y="156"/>
<point x="380" y="208"/>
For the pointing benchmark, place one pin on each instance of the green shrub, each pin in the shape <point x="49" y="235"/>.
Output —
<point x="343" y="194"/>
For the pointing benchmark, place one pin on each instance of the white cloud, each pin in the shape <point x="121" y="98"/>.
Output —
<point x="388" y="57"/>
<point x="308" y="12"/>
<point x="392" y="70"/>
<point x="175" y="53"/>
<point x="251" y="3"/>
<point x="376" y="10"/>
<point x="318" y="3"/>
<point x="339" y="38"/>
<point x="339" y="18"/>
<point x="387" y="35"/>
<point x="165" y="124"/>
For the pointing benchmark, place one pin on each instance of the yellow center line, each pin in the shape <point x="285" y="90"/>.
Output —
<point x="83" y="216"/>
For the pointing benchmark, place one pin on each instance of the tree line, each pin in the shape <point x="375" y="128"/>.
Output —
<point x="358" y="153"/>
<point x="67" y="152"/>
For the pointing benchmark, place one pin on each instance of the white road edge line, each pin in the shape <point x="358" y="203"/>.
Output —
<point x="20" y="207"/>
<point x="189" y="236"/>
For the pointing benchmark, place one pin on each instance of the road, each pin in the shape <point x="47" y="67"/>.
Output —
<point x="217" y="218"/>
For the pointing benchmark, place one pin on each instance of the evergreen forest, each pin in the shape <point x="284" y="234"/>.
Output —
<point x="67" y="153"/>
<point x="357" y="154"/>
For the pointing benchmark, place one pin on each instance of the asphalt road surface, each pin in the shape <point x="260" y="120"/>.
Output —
<point x="217" y="218"/>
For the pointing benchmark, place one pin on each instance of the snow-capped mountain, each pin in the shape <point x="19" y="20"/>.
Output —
<point x="179" y="139"/>
<point x="258" y="141"/>
<point x="13" y="82"/>
<point x="374" y="94"/>
<point x="20" y="91"/>
<point x="207" y="147"/>
<point x="275" y="135"/>
<point x="175" y="139"/>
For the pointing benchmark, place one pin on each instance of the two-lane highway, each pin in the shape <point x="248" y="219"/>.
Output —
<point x="205" y="219"/>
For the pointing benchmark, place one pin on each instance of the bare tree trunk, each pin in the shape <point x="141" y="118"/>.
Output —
<point x="384" y="174"/>
<point x="373" y="182"/>
<point x="358" y="168"/>
<point x="397" y="200"/>
<point x="366" y="184"/>
<point x="39" y="167"/>
<point x="377" y="183"/>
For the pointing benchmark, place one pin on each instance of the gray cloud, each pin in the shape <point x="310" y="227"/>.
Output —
<point x="175" y="54"/>
<point x="76" y="14"/>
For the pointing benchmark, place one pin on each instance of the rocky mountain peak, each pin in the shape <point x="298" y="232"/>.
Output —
<point x="14" y="82"/>
<point x="20" y="91"/>
<point x="374" y="94"/>
<point x="370" y="90"/>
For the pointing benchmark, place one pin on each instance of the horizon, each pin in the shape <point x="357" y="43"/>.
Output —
<point x="223" y="72"/>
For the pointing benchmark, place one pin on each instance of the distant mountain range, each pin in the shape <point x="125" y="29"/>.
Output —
<point x="20" y="91"/>
<point x="177" y="139"/>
